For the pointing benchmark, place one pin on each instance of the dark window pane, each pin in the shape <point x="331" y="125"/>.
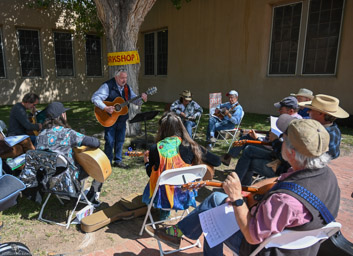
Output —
<point x="93" y="56"/>
<point x="149" y="54"/>
<point x="29" y="53"/>
<point x="2" y="62"/>
<point x="162" y="52"/>
<point x="322" y="37"/>
<point x="285" y="36"/>
<point x="63" y="54"/>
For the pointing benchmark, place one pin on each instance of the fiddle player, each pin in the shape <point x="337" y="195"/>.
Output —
<point x="19" y="123"/>
<point x="304" y="147"/>
<point x="114" y="135"/>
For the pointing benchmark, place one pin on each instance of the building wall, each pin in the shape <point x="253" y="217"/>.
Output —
<point x="216" y="46"/>
<point x="15" y="14"/>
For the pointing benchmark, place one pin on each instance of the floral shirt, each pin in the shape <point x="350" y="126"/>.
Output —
<point x="191" y="110"/>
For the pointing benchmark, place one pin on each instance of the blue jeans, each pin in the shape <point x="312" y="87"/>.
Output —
<point x="254" y="159"/>
<point x="114" y="139"/>
<point x="191" y="226"/>
<point x="188" y="126"/>
<point x="215" y="125"/>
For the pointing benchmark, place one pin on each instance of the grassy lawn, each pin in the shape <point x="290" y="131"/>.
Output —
<point x="21" y="220"/>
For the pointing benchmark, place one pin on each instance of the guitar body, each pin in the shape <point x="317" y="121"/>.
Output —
<point x="107" y="120"/>
<point x="94" y="162"/>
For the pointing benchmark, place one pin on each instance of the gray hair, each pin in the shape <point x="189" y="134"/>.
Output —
<point x="308" y="162"/>
<point x="119" y="71"/>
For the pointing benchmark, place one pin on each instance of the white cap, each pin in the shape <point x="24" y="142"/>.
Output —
<point x="232" y="92"/>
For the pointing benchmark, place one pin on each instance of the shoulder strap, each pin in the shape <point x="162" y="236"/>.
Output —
<point x="126" y="91"/>
<point x="308" y="196"/>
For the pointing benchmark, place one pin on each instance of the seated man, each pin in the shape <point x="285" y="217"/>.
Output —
<point x="303" y="95"/>
<point x="288" y="105"/>
<point x="187" y="109"/>
<point x="19" y="123"/>
<point x="325" y="109"/>
<point x="225" y="117"/>
<point x="280" y="208"/>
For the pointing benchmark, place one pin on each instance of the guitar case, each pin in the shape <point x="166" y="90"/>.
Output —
<point x="336" y="245"/>
<point x="125" y="209"/>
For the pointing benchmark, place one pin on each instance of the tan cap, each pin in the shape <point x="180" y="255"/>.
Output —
<point x="186" y="95"/>
<point x="304" y="92"/>
<point x="308" y="137"/>
<point x="325" y="104"/>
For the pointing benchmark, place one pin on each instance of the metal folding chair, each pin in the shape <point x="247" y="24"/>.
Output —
<point x="194" y="129"/>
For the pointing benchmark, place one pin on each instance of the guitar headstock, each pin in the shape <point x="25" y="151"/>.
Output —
<point x="151" y="90"/>
<point x="134" y="153"/>
<point x="193" y="185"/>
<point x="239" y="143"/>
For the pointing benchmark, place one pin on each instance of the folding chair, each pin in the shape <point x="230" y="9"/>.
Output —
<point x="194" y="129"/>
<point x="231" y="133"/>
<point x="41" y="163"/>
<point x="176" y="177"/>
<point x="291" y="239"/>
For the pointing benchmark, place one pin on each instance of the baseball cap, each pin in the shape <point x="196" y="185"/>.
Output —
<point x="55" y="109"/>
<point x="283" y="122"/>
<point x="232" y="92"/>
<point x="289" y="102"/>
<point x="308" y="137"/>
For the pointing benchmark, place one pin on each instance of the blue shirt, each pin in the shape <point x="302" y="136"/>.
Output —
<point x="237" y="112"/>
<point x="335" y="140"/>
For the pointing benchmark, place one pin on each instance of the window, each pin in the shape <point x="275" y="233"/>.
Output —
<point x="2" y="59"/>
<point x="63" y="54"/>
<point x="93" y="56"/>
<point x="156" y="53"/>
<point x="30" y="58"/>
<point x="313" y="51"/>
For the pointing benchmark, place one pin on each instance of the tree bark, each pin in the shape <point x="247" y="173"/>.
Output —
<point x="121" y="20"/>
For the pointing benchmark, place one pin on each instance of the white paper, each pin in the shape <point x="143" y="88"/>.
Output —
<point x="274" y="128"/>
<point x="218" y="224"/>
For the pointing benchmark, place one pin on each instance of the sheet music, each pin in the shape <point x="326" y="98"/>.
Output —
<point x="218" y="224"/>
<point x="274" y="128"/>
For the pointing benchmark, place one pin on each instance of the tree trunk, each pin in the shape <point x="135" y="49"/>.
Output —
<point x="121" y="20"/>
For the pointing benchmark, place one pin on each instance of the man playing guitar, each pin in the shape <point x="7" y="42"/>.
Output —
<point x="225" y="117"/>
<point x="115" y="135"/>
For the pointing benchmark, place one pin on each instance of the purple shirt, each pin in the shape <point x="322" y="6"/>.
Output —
<point x="275" y="214"/>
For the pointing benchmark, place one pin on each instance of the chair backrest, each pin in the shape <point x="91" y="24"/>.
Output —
<point x="291" y="239"/>
<point x="194" y="129"/>
<point x="182" y="175"/>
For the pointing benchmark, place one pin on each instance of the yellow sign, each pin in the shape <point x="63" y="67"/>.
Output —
<point x="123" y="58"/>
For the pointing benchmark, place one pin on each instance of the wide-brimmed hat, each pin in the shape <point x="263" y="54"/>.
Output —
<point x="289" y="102"/>
<point x="186" y="95"/>
<point x="304" y="92"/>
<point x="232" y="92"/>
<point x="55" y="109"/>
<point x="325" y="104"/>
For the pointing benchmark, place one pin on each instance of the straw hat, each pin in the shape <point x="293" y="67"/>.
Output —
<point x="304" y="92"/>
<point x="186" y="95"/>
<point x="325" y="104"/>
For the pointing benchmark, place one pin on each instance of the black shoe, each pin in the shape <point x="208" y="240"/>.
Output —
<point x="93" y="197"/>
<point x="226" y="159"/>
<point x="120" y="165"/>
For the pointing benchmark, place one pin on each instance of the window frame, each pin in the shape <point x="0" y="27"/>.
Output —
<point x="3" y="53"/>
<point x="101" y="55"/>
<point x="40" y="51"/>
<point x="72" y="51"/>
<point x="302" y="42"/>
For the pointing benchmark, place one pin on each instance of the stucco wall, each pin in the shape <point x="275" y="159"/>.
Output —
<point x="14" y="15"/>
<point x="215" y="46"/>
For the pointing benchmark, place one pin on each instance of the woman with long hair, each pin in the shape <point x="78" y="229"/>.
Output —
<point x="173" y="149"/>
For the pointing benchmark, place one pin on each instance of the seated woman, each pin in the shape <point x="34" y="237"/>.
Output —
<point x="57" y="136"/>
<point x="174" y="149"/>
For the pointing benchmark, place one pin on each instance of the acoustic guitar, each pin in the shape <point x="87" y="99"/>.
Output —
<point x="240" y="143"/>
<point x="120" y="108"/>
<point x="94" y="162"/>
<point x="253" y="194"/>
<point x="208" y="175"/>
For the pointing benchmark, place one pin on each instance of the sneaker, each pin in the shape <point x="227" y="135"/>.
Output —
<point x="161" y="235"/>
<point x="120" y="165"/>
<point x="93" y="197"/>
<point x="225" y="159"/>
<point x="212" y="140"/>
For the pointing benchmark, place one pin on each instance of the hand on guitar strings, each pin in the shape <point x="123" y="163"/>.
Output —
<point x="109" y="109"/>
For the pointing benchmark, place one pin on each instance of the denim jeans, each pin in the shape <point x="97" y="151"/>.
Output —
<point x="254" y="159"/>
<point x="114" y="139"/>
<point x="188" y="126"/>
<point x="215" y="125"/>
<point x="191" y="226"/>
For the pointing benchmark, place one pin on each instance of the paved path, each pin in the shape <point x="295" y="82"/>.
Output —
<point x="145" y="245"/>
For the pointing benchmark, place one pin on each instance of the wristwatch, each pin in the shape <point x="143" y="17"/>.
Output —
<point x="238" y="202"/>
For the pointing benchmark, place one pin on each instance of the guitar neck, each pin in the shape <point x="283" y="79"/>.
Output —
<point x="130" y="100"/>
<point x="199" y="184"/>
<point x="243" y="142"/>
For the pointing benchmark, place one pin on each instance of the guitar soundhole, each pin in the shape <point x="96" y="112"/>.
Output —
<point x="117" y="107"/>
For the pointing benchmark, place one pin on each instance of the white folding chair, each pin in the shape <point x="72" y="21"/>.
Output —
<point x="194" y="129"/>
<point x="291" y="239"/>
<point x="175" y="177"/>
<point x="229" y="135"/>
